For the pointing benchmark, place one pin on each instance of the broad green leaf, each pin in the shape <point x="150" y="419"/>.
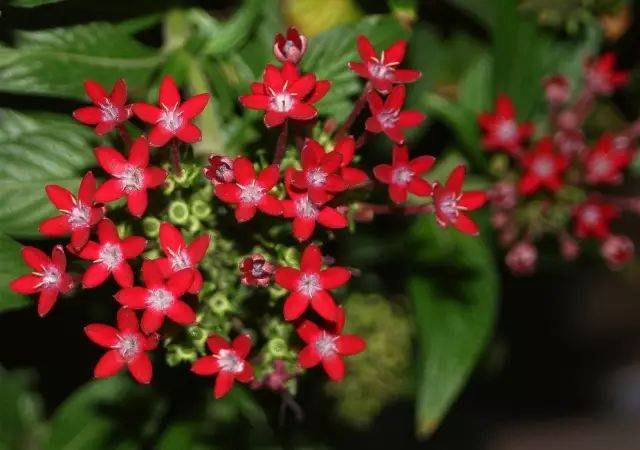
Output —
<point x="37" y="149"/>
<point x="474" y="90"/>
<point x="178" y="436"/>
<point x="11" y="266"/>
<point x="21" y="426"/>
<point x="32" y="3"/>
<point x="454" y="291"/>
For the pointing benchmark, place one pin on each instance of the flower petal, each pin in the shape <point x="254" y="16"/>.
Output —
<point x="215" y="343"/>
<point x="103" y="335"/>
<point x="111" y="160"/>
<point x="137" y="202"/>
<point x="194" y="106"/>
<point x="330" y="218"/>
<point x="294" y="306"/>
<point x="308" y="331"/>
<point x="133" y="297"/>
<point x="224" y="383"/>
<point x="95" y="275"/>
<point x="365" y="49"/>
<point x="141" y="368"/>
<point x="123" y="274"/>
<point x="147" y="113"/>
<point x="25" y="284"/>
<point x="46" y="301"/>
<point x="60" y="197"/>
<point x="308" y="357"/>
<point x="350" y="344"/>
<point x="270" y="205"/>
<point x="110" y="364"/>
<point x="55" y="226"/>
<point x="206" y="365"/>
<point x="127" y="320"/>
<point x="109" y="191"/>
<point x="181" y="313"/>
<point x="168" y="94"/>
<point x="189" y="133"/>
<point x="334" y="277"/>
<point x="132" y="246"/>
<point x="89" y="115"/>
<point x="139" y="153"/>
<point x="171" y="239"/>
<point x="151" y="321"/>
<point x="179" y="282"/>
<point x="323" y="303"/>
<point x="198" y="248"/>
<point x="311" y="259"/>
<point x="95" y="92"/>
<point x="287" y="277"/>
<point x="35" y="258"/>
<point x="334" y="366"/>
<point x="242" y="345"/>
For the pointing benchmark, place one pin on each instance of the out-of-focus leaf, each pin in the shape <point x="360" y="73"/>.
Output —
<point x="313" y="17"/>
<point x="405" y="10"/>
<point x="481" y="10"/>
<point x="21" y="426"/>
<point x="474" y="90"/>
<point x="11" y="266"/>
<point x="454" y="293"/>
<point x="35" y="150"/>
<point x="32" y="3"/>
<point x="179" y="436"/>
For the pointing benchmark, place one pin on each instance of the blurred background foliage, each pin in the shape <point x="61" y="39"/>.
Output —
<point x="427" y="300"/>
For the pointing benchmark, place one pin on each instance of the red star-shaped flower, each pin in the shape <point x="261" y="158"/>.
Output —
<point x="284" y="94"/>
<point x="48" y="277"/>
<point x="543" y="168"/>
<point x="79" y="214"/>
<point x="383" y="72"/>
<point x="451" y="204"/>
<point x="180" y="256"/>
<point x="319" y="175"/>
<point x="290" y="47"/>
<point x="405" y="176"/>
<point x="171" y="118"/>
<point x="131" y="178"/>
<point x="160" y="298"/>
<point x="604" y="163"/>
<point x="310" y="284"/>
<point x="109" y="110"/>
<point x="251" y="191"/>
<point x="256" y="271"/>
<point x="601" y="76"/>
<point x="387" y="116"/>
<point x="593" y="218"/>
<point x="127" y="347"/>
<point x="501" y="129"/>
<point x="353" y="177"/>
<point x="110" y="256"/>
<point x="227" y="361"/>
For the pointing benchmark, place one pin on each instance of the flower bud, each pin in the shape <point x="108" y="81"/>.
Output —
<point x="557" y="89"/>
<point x="151" y="226"/>
<point x="617" y="250"/>
<point x="277" y="347"/>
<point x="276" y="380"/>
<point x="570" y="143"/>
<point x="219" y="304"/>
<point x="503" y="195"/>
<point x="522" y="258"/>
<point x="178" y="212"/>
<point x="569" y="248"/>
<point x="256" y="271"/>
<point x="200" y="209"/>
<point x="290" y="48"/>
<point x="219" y="170"/>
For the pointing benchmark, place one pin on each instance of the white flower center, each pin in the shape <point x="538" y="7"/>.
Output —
<point x="282" y="101"/>
<point x="288" y="45"/>
<point x="179" y="259"/>
<point x="171" y="119"/>
<point x="110" y="255"/>
<point x="229" y="361"/>
<point x="600" y="166"/>
<point x="305" y="208"/>
<point x="388" y="118"/>
<point x="316" y="177"/>
<point x="401" y="176"/>
<point x="257" y="269"/>
<point x="590" y="215"/>
<point x="543" y="166"/>
<point x="128" y="346"/>
<point x="251" y="193"/>
<point x="380" y="71"/>
<point x="159" y="299"/>
<point x="79" y="216"/>
<point x="449" y="206"/>
<point x="309" y="284"/>
<point x="50" y="277"/>
<point x="326" y="344"/>
<point x="131" y="179"/>
<point x="110" y="112"/>
<point x="507" y="131"/>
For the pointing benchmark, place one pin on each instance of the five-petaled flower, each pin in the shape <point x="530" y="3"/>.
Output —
<point x="543" y="168"/>
<point x="319" y="175"/>
<point x="388" y="117"/>
<point x="284" y="94"/>
<point x="251" y="191"/>
<point x="79" y="214"/>
<point x="310" y="285"/>
<point x="127" y="347"/>
<point x="593" y="218"/>
<point x="172" y="118"/>
<point x="451" y="204"/>
<point x="160" y="298"/>
<point x="48" y="277"/>
<point x="501" y="129"/>
<point x="601" y="76"/>
<point x="219" y="170"/>
<point x="227" y="361"/>
<point x="110" y="256"/>
<point x="404" y="176"/>
<point x="256" y="271"/>
<point x="383" y="72"/>
<point x="290" y="47"/>
<point x="131" y="178"/>
<point x="604" y="163"/>
<point x="109" y="111"/>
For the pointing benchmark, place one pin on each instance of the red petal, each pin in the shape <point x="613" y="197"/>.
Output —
<point x="109" y="191"/>
<point x="395" y="52"/>
<point x="308" y="357"/>
<point x="321" y="89"/>
<point x="228" y="192"/>
<point x="133" y="297"/>
<point x="323" y="304"/>
<point x="111" y="160"/>
<point x="269" y="177"/>
<point x="151" y="321"/>
<point x="194" y="106"/>
<point x="465" y="225"/>
<point x="56" y="226"/>
<point x="294" y="306"/>
<point x="87" y="188"/>
<point x="420" y="187"/>
<point x="397" y="193"/>
<point x="395" y="100"/>
<point x="95" y="275"/>
<point x="422" y="164"/>
<point x="272" y="78"/>
<point x="90" y="252"/>
<point x="215" y="343"/>
<point x="181" y="313"/>
<point x="132" y="246"/>
<point x="308" y="331"/>
<point x="168" y="95"/>
<point x="303" y="111"/>
<point x="46" y="301"/>
<point x="375" y="102"/>
<point x="206" y="365"/>
<point x="137" y="202"/>
<point x="334" y="366"/>
<point x="528" y="184"/>
<point x="105" y="127"/>
<point x="35" y="258"/>
<point x="180" y="282"/>
<point x="159" y="136"/>
<point x="139" y="153"/>
<point x="79" y="237"/>
<point x="334" y="277"/>
<point x="406" y="75"/>
<point x="147" y="113"/>
<point x="25" y="284"/>
<point x="372" y="125"/>
<point x="107" y="231"/>
<point x="189" y="133"/>
<point x="110" y="364"/>
<point x="411" y="118"/>
<point x="255" y="101"/>
<point x="123" y="275"/>
<point x="303" y="86"/>
<point x="198" y="248"/>
<point x="330" y="218"/>
<point x="383" y="173"/>
<point x="242" y="345"/>
<point x="127" y="320"/>
<point x="246" y="375"/>
<point x="243" y="170"/>
<point x="224" y="383"/>
<point x="274" y="118"/>
<point x="287" y="277"/>
<point x="456" y="179"/>
<point x="89" y="115"/>
<point x="58" y="257"/>
<point x="118" y="94"/>
<point x="504" y="107"/>
<point x="473" y="199"/>
<point x="311" y="260"/>
<point x="103" y="335"/>
<point x="359" y="69"/>
<point x="171" y="239"/>
<point x="245" y="212"/>
<point x="94" y="91"/>
<point x="154" y="177"/>
<point x="303" y="228"/>
<point x="197" y="282"/>
<point x="141" y="368"/>
<point x="270" y="205"/>
<point x="350" y="344"/>
<point x="365" y="49"/>
<point x="60" y="197"/>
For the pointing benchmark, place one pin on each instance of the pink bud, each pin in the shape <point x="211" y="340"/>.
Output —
<point x="499" y="219"/>
<point x="256" y="271"/>
<point x="617" y="250"/>
<point x="290" y="48"/>
<point x="503" y="195"/>
<point x="570" y="142"/>
<point x="569" y="248"/>
<point x="219" y="170"/>
<point x="556" y="89"/>
<point x="522" y="258"/>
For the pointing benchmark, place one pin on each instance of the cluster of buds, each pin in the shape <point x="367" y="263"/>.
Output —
<point x="557" y="183"/>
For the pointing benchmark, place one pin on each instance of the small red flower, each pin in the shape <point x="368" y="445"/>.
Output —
<point x="522" y="258"/>
<point x="383" y="71"/>
<point x="180" y="256"/>
<point x="310" y="284"/>
<point x="275" y="380"/>
<point x="305" y="212"/>
<point x="172" y="118"/>
<point x="617" y="250"/>
<point x="131" y="178"/>
<point x="79" y="214"/>
<point x="557" y="89"/>
<point x="109" y="110"/>
<point x="593" y="218"/>
<point x="405" y="176"/>
<point x="353" y="177"/>
<point x="543" y="168"/>
<point x="604" y="163"/>
<point x="387" y="117"/>
<point x="219" y="170"/>
<point x="284" y="94"/>
<point x="451" y="204"/>
<point x="48" y="277"/>
<point x="251" y="191"/>
<point x="228" y="361"/>
<point x="570" y="142"/>
<point x="110" y="256"/>
<point x="256" y="271"/>
<point x="290" y="48"/>
<point x="127" y="347"/>
<point x="159" y="298"/>
<point x="319" y="175"/>
<point x="601" y="76"/>
<point x="501" y="129"/>
<point x="328" y="347"/>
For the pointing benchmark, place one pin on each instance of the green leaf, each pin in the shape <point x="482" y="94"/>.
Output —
<point x="56" y="61"/>
<point x="454" y="293"/>
<point x="21" y="426"/>
<point x="32" y="3"/>
<point x="37" y="149"/>
<point x="11" y="266"/>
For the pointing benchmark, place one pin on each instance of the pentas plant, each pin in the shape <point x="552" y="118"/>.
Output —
<point x="226" y="266"/>
<point x="560" y="182"/>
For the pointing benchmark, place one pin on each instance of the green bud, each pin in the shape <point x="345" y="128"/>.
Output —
<point x="151" y="226"/>
<point x="124" y="229"/>
<point x="219" y="304"/>
<point x="152" y="254"/>
<point x="499" y="165"/>
<point x="177" y="354"/>
<point x="277" y="347"/>
<point x="200" y="209"/>
<point x="169" y="186"/>
<point x="178" y="212"/>
<point x="194" y="225"/>
<point x="290" y="256"/>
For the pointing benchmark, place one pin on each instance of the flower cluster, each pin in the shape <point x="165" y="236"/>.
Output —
<point x="560" y="183"/>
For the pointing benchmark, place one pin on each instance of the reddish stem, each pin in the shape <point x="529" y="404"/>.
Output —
<point x="175" y="157"/>
<point x="124" y="134"/>
<point x="355" y="112"/>
<point x="282" y="143"/>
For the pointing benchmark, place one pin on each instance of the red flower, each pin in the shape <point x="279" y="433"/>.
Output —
<point x="404" y="176"/>
<point x="79" y="213"/>
<point x="353" y="177"/>
<point x="131" y="178"/>
<point x="501" y="130"/>
<point x="604" y="163"/>
<point x="387" y="116"/>
<point x="159" y="298"/>
<point x="109" y="110"/>
<point x="601" y="76"/>
<point x="180" y="256"/>
<point x="227" y="361"/>
<point x="383" y="71"/>
<point x="48" y="277"/>
<point x="327" y="347"/>
<point x="290" y="48"/>
<point x="318" y="176"/>
<point x="557" y="89"/>
<point x="251" y="191"/>
<point x="617" y="250"/>
<point x="543" y="168"/>
<point x="284" y="94"/>
<point x="593" y="217"/>
<point x="127" y="347"/>
<point x="522" y="258"/>
<point x="451" y="203"/>
<point x="256" y="271"/>
<point x="305" y="212"/>
<point x="172" y="118"/>
<point x="310" y="285"/>
<point x="110" y="256"/>
<point x="219" y="170"/>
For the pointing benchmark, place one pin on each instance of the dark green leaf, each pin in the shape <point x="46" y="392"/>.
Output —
<point x="32" y="3"/>
<point x="21" y="426"/>
<point x="11" y="266"/>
